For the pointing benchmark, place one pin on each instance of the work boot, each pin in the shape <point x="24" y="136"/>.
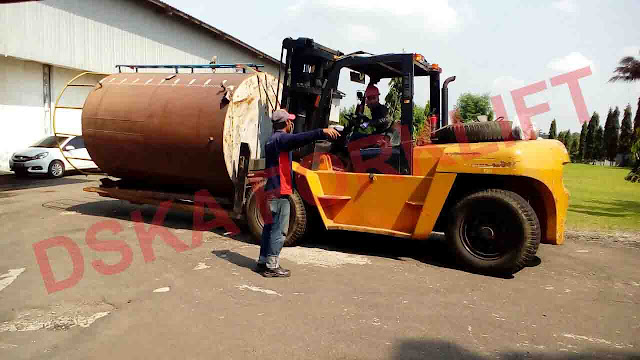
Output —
<point x="260" y="268"/>
<point x="277" y="272"/>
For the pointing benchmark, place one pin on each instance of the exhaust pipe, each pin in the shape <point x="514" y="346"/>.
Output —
<point x="445" y="101"/>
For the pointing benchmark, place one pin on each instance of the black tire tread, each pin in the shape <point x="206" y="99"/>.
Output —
<point x="296" y="234"/>
<point x="298" y="212"/>
<point x="529" y="248"/>
<point x="474" y="132"/>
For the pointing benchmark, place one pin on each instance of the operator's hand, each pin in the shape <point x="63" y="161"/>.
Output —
<point x="383" y="141"/>
<point x="331" y="132"/>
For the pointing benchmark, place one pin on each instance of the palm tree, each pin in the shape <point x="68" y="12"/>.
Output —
<point x="628" y="71"/>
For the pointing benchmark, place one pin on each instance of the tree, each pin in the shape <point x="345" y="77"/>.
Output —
<point x="456" y="118"/>
<point x="611" y="129"/>
<point x="565" y="138"/>
<point x="634" y="175"/>
<point x="470" y="106"/>
<point x="559" y="137"/>
<point x="599" y="149"/>
<point x="635" y="150"/>
<point x="420" y="118"/>
<point x="573" y="150"/>
<point x="626" y="132"/>
<point x="607" y="126"/>
<point x="583" y="141"/>
<point x="350" y="111"/>
<point x="636" y="124"/>
<point x="628" y="70"/>
<point x="393" y="100"/>
<point x="553" y="130"/>
<point x="590" y="142"/>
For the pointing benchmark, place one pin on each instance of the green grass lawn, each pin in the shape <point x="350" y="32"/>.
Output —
<point x="601" y="199"/>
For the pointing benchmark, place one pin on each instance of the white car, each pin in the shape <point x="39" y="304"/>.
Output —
<point x="45" y="157"/>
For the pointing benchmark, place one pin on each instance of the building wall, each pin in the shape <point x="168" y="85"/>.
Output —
<point x="87" y="35"/>
<point x="22" y="116"/>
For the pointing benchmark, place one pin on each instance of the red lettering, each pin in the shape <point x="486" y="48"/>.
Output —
<point x="571" y="79"/>
<point x="498" y="107"/>
<point x="109" y="245"/>
<point x="526" y="113"/>
<point x="377" y="162"/>
<point x="145" y="237"/>
<point x="40" y="249"/>
<point x="221" y="218"/>
<point x="452" y="117"/>
<point x="461" y="134"/>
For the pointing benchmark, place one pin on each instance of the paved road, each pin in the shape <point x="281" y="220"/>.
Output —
<point x="350" y="297"/>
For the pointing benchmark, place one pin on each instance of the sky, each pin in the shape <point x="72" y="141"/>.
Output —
<point x="490" y="46"/>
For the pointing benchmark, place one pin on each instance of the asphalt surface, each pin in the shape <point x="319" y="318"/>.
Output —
<point x="351" y="296"/>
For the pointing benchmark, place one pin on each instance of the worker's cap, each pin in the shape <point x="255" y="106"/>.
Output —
<point x="281" y="115"/>
<point x="371" y="91"/>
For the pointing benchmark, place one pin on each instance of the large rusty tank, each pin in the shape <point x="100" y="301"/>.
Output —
<point x="178" y="129"/>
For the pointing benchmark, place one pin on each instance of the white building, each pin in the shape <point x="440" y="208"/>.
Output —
<point x="44" y="44"/>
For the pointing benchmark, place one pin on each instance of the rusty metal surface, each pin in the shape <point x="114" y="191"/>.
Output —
<point x="161" y="128"/>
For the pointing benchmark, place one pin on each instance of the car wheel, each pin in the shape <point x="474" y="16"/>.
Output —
<point x="56" y="169"/>
<point x="494" y="231"/>
<point x="297" y="217"/>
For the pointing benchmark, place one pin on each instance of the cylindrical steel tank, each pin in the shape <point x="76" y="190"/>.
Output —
<point x="178" y="129"/>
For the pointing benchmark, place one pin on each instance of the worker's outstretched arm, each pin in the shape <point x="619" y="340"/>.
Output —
<point x="289" y="142"/>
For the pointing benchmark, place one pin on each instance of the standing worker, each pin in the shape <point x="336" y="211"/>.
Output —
<point x="279" y="186"/>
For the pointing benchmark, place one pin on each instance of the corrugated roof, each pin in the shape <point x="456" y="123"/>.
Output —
<point x="223" y="35"/>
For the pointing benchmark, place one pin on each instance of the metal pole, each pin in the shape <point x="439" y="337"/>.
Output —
<point x="279" y="68"/>
<point x="445" y="100"/>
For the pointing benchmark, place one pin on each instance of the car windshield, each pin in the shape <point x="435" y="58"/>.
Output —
<point x="50" y="141"/>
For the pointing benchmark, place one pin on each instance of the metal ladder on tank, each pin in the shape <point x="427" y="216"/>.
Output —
<point x="72" y="84"/>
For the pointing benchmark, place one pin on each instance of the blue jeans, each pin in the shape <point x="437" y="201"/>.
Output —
<point x="274" y="233"/>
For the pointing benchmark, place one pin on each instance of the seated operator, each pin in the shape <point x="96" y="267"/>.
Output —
<point x="380" y="120"/>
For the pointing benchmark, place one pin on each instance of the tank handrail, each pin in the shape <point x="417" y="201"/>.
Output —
<point x="199" y="66"/>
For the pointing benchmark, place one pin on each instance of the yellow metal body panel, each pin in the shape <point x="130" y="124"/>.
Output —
<point x="538" y="161"/>
<point x="409" y="205"/>
<point x="378" y="203"/>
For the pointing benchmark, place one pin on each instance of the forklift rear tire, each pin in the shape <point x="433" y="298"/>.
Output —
<point x="494" y="231"/>
<point x="297" y="218"/>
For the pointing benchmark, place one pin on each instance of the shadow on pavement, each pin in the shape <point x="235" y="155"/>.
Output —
<point x="433" y="251"/>
<point x="121" y="210"/>
<point x="437" y="349"/>
<point x="10" y="182"/>
<point x="235" y="258"/>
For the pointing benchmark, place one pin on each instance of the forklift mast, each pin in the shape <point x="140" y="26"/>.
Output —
<point x="307" y="68"/>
